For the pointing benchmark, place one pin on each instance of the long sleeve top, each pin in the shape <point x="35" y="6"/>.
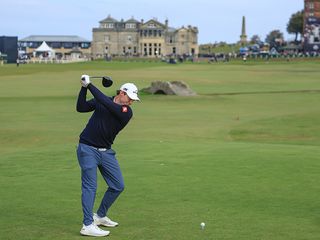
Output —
<point x="107" y="120"/>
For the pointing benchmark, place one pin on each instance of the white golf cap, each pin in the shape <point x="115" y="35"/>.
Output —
<point x="131" y="90"/>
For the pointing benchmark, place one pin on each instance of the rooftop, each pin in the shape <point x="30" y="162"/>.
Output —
<point x="53" y="38"/>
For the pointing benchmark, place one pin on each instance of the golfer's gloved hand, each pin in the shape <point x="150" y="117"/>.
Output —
<point x="85" y="80"/>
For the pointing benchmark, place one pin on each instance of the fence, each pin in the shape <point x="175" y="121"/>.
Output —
<point x="48" y="61"/>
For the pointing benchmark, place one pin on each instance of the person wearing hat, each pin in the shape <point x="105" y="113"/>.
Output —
<point x="110" y="116"/>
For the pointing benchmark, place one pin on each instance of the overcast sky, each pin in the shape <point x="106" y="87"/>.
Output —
<point x="217" y="20"/>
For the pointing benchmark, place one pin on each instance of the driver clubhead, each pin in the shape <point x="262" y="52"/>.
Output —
<point x="107" y="82"/>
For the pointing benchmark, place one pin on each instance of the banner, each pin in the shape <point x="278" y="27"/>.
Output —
<point x="311" y="36"/>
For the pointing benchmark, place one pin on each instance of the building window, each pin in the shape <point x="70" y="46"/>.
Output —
<point x="170" y="39"/>
<point x="150" y="51"/>
<point x="134" y="50"/>
<point x="174" y="50"/>
<point x="311" y="5"/>
<point x="311" y="14"/>
<point x="85" y="45"/>
<point x="145" y="45"/>
<point x="129" y="38"/>
<point x="151" y="25"/>
<point x="145" y="52"/>
<point x="106" y="38"/>
<point x="160" y="33"/>
<point x="67" y="45"/>
<point x="150" y="33"/>
<point x="109" y="25"/>
<point x="55" y="45"/>
<point x="34" y="44"/>
<point x="124" y="50"/>
<point x="130" y="25"/>
<point x="154" y="33"/>
<point x="159" y="51"/>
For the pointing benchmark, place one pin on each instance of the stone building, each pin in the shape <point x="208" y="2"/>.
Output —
<point x="145" y="39"/>
<point x="311" y="28"/>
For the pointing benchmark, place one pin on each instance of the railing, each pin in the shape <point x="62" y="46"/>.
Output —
<point x="62" y="61"/>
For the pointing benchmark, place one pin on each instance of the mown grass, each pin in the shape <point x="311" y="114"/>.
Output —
<point x="247" y="163"/>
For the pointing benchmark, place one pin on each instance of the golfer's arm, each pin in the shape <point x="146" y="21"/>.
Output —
<point x="116" y="109"/>
<point x="82" y="104"/>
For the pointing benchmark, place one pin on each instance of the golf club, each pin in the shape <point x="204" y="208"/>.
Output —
<point x="106" y="81"/>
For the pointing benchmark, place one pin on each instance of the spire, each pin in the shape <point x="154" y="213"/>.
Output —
<point x="243" y="37"/>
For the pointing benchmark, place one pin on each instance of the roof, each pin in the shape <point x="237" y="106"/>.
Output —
<point x="53" y="38"/>
<point x="132" y="20"/>
<point x="154" y="21"/>
<point x="109" y="19"/>
<point x="44" y="48"/>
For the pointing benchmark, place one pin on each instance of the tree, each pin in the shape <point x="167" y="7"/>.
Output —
<point x="255" y="39"/>
<point x="295" y="25"/>
<point x="275" y="38"/>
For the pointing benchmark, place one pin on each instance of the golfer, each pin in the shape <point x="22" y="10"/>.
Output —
<point x="110" y="116"/>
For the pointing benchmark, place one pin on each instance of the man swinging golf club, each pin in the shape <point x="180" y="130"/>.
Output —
<point x="110" y="116"/>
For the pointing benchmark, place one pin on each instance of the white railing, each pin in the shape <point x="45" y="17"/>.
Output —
<point x="48" y="61"/>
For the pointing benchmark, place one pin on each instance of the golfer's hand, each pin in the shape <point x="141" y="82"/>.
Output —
<point x="85" y="80"/>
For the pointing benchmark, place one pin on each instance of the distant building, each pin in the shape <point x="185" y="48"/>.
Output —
<point x="146" y="39"/>
<point x="63" y="45"/>
<point x="9" y="47"/>
<point x="311" y="28"/>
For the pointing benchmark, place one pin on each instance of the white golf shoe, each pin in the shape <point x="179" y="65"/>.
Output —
<point x="93" y="230"/>
<point x="104" y="221"/>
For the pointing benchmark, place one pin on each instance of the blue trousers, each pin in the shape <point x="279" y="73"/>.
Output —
<point x="89" y="160"/>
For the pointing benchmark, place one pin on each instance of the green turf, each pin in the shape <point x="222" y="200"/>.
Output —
<point x="241" y="156"/>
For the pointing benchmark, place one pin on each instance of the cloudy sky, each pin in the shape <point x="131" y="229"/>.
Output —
<point x="217" y="20"/>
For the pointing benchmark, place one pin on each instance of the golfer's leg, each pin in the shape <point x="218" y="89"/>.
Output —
<point x="111" y="173"/>
<point x="88" y="166"/>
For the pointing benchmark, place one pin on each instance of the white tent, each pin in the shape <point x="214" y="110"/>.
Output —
<point x="44" y="48"/>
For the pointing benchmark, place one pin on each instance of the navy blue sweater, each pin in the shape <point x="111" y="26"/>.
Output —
<point x="106" y="121"/>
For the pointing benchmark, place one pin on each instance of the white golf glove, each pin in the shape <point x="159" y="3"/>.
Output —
<point x="85" y="80"/>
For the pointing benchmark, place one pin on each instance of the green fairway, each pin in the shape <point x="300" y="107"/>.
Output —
<point x="242" y="156"/>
